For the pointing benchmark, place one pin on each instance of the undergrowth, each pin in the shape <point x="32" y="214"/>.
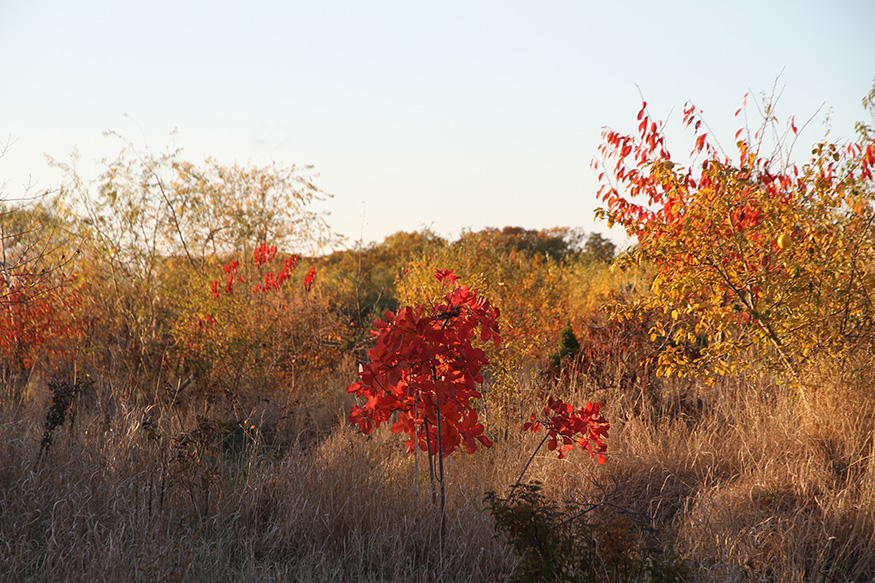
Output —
<point x="734" y="482"/>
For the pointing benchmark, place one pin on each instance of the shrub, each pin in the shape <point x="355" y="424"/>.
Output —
<point x="258" y="329"/>
<point x="754" y="250"/>
<point x="555" y="543"/>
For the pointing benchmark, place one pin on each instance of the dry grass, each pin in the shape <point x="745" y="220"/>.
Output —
<point x="742" y="481"/>
<point x="107" y="503"/>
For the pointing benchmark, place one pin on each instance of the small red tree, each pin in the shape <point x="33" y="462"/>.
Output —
<point x="424" y="368"/>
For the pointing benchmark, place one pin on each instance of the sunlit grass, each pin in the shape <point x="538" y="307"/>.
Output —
<point x="737" y="480"/>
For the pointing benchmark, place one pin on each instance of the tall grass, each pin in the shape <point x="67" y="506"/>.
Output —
<point x="108" y="503"/>
<point x="740" y="481"/>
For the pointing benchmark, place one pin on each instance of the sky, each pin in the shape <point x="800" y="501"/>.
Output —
<point x="444" y="115"/>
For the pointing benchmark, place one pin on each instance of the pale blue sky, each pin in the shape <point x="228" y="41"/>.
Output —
<point x="450" y="115"/>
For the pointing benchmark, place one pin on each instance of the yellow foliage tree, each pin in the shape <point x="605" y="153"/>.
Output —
<point x="529" y="275"/>
<point x="747" y="251"/>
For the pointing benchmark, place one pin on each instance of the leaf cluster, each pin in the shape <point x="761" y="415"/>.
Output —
<point x="425" y="367"/>
<point x="567" y="426"/>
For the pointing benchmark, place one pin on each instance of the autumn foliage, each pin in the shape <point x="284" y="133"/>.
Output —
<point x="538" y="279"/>
<point x="258" y="327"/>
<point x="39" y="318"/>
<point x="750" y="249"/>
<point x="213" y="380"/>
<point x="567" y="427"/>
<point x="425" y="367"/>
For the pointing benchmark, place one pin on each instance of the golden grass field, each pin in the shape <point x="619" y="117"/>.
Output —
<point x="740" y="481"/>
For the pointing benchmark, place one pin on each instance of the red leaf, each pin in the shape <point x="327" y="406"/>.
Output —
<point x="309" y="279"/>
